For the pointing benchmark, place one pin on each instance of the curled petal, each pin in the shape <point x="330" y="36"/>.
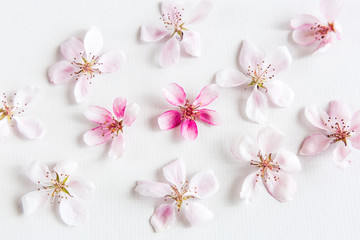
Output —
<point x="250" y="187"/>
<point x="304" y="19"/>
<point x="197" y="213"/>
<point x="97" y="136"/>
<point x="174" y="94"/>
<point x="304" y="35"/>
<point x="4" y="129"/>
<point x="245" y="148"/>
<point x="208" y="94"/>
<point x="192" y="44"/>
<point x="119" y="107"/>
<point x="169" y="120"/>
<point x="153" y="189"/>
<point x="26" y="96"/>
<point x="315" y="144"/>
<point x="170" y="53"/>
<point x="257" y="106"/>
<point x="93" y="41"/>
<point x="117" y="147"/>
<point x="355" y="121"/>
<point x="32" y="201"/>
<point x="82" y="90"/>
<point x="81" y="188"/>
<point x="331" y="8"/>
<point x="230" y="78"/>
<point x="280" y="185"/>
<point x="203" y="184"/>
<point x="174" y="172"/>
<point x="30" y="127"/>
<point x="111" y="61"/>
<point x="210" y="117"/>
<point x="280" y="93"/>
<point x="152" y="33"/>
<point x="38" y="173"/>
<point x="339" y="110"/>
<point x="270" y="140"/>
<point x="287" y="161"/>
<point x="279" y="60"/>
<point x="73" y="211"/>
<point x="200" y="12"/>
<point x="189" y="130"/>
<point x="340" y="156"/>
<point x="131" y="113"/>
<point x="66" y="167"/>
<point x="250" y="56"/>
<point x="316" y="117"/>
<point x="163" y="217"/>
<point x="61" y="72"/>
<point x="97" y="114"/>
<point x="72" y="49"/>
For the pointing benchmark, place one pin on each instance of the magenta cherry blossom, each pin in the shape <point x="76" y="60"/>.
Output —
<point x="59" y="186"/>
<point x="259" y="72"/>
<point x="338" y="127"/>
<point x="83" y="62"/>
<point x="12" y="111"/>
<point x="179" y="194"/>
<point x="274" y="163"/>
<point x="111" y="127"/>
<point x="188" y="113"/>
<point x="309" y="30"/>
<point x="175" y="29"/>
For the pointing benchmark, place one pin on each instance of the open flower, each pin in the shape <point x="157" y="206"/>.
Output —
<point x="179" y="194"/>
<point x="13" y="109"/>
<point x="59" y="187"/>
<point x="338" y="126"/>
<point x="310" y="30"/>
<point x="83" y="62"/>
<point x="111" y="127"/>
<point x="259" y="72"/>
<point x="175" y="29"/>
<point x="274" y="163"/>
<point x="188" y="113"/>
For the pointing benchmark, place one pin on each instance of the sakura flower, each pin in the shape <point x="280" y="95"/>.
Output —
<point x="13" y="109"/>
<point x="83" y="62"/>
<point x="259" y="72"/>
<point x="59" y="186"/>
<point x="111" y="127"/>
<point x="188" y="113"/>
<point x="274" y="163"/>
<point x="179" y="194"/>
<point x="338" y="126"/>
<point x="175" y="29"/>
<point x="310" y="30"/>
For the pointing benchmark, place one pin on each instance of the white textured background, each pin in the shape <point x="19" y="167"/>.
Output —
<point x="326" y="205"/>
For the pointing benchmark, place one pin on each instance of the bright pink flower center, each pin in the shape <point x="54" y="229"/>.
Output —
<point x="86" y="67"/>
<point x="57" y="186"/>
<point x="340" y="130"/>
<point x="260" y="75"/>
<point x="113" y="127"/>
<point x="189" y="111"/>
<point x="322" y="31"/>
<point x="265" y="162"/>
<point x="179" y="194"/>
<point x="173" y="21"/>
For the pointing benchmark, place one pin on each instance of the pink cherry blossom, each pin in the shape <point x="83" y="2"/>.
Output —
<point x="175" y="29"/>
<point x="338" y="127"/>
<point x="179" y="194"/>
<point x="111" y="126"/>
<point x="309" y="30"/>
<point x="83" y="62"/>
<point x="59" y="186"/>
<point x="259" y="72"/>
<point x="274" y="163"/>
<point x="12" y="111"/>
<point x="188" y="113"/>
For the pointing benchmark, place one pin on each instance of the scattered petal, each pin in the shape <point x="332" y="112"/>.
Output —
<point x="30" y="127"/>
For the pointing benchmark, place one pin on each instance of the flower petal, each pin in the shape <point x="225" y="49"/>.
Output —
<point x="210" y="117"/>
<point x="73" y="211"/>
<point x="287" y="161"/>
<point x="25" y="96"/>
<point x="189" y="130"/>
<point x="278" y="61"/>
<point x="203" y="184"/>
<point x="200" y="12"/>
<point x="197" y="213"/>
<point x="250" y="56"/>
<point x="97" y="114"/>
<point x="169" y="119"/>
<point x="170" y="53"/>
<point x="208" y="94"/>
<point x="72" y="49"/>
<point x="152" y="33"/>
<point x="316" y="117"/>
<point x="4" y="128"/>
<point x="111" y="61"/>
<point x="355" y="141"/>
<point x="119" y="107"/>
<point x="82" y="91"/>
<point x="171" y="9"/>
<point x="331" y="8"/>
<point x="174" y="94"/>
<point x="80" y="188"/>
<point x="93" y="42"/>
<point x="61" y="72"/>
<point x="280" y="93"/>
<point x="257" y="106"/>
<point x="250" y="187"/>
<point x="32" y="201"/>
<point x="270" y="140"/>
<point x="230" y="78"/>
<point x="305" y="35"/>
<point x="340" y="156"/>
<point x="30" y="127"/>
<point x="315" y="144"/>
<point x="324" y="45"/>
<point x="355" y="121"/>
<point x="66" y="167"/>
<point x="174" y="172"/>
<point x="245" y="148"/>
<point x="280" y="185"/>
<point x="304" y="19"/>
<point x="97" y="136"/>
<point x="153" y="189"/>
<point x="38" y="173"/>
<point x="192" y="44"/>
<point x="131" y="113"/>
<point x="117" y="147"/>
<point x="339" y="110"/>
<point x="163" y="217"/>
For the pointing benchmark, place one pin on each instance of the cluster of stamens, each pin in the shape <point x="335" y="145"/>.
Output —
<point x="322" y="31"/>
<point x="259" y="75"/>
<point x="88" y="66"/>
<point x="8" y="110"/>
<point x="340" y="130"/>
<point x="189" y="111"/>
<point x="113" y="127"/>
<point x="179" y="194"/>
<point x="57" y="186"/>
<point x="266" y="162"/>
<point x="174" y="22"/>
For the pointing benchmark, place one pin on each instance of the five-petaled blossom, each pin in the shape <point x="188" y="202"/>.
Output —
<point x="111" y="126"/>
<point x="179" y="194"/>
<point x="59" y="186"/>
<point x="83" y="62"/>
<point x="175" y="29"/>
<point x="339" y="127"/>
<point x="13" y="109"/>
<point x="189" y="113"/>
<point x="274" y="163"/>
<point x="258" y="71"/>
<point x="309" y="29"/>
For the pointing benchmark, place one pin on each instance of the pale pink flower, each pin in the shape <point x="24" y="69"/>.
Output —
<point x="310" y="30"/>
<point x="13" y="109"/>
<point x="175" y="30"/>
<point x="179" y="194"/>
<point x="188" y="113"/>
<point x="111" y="127"/>
<point x="83" y="62"/>
<point x="274" y="163"/>
<point x="59" y="186"/>
<point x="259" y="72"/>
<point x="338" y="126"/>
